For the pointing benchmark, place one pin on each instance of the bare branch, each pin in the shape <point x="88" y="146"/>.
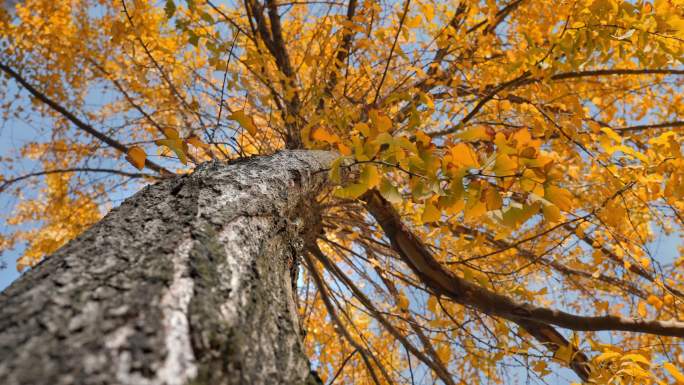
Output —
<point x="612" y="72"/>
<point x="162" y="72"/>
<point x="75" y="120"/>
<point x="316" y="251"/>
<point x="394" y="45"/>
<point x="642" y="127"/>
<point x="333" y="315"/>
<point x="342" y="52"/>
<point x="8" y="182"/>
<point x="421" y="261"/>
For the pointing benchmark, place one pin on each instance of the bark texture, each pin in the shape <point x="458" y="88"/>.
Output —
<point x="187" y="282"/>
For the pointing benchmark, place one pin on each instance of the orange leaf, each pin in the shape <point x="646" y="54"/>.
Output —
<point x="641" y="309"/>
<point x="464" y="156"/>
<point x="136" y="156"/>
<point x="322" y="135"/>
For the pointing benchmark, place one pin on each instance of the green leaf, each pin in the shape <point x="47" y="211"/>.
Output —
<point x="389" y="192"/>
<point x="169" y="9"/>
<point x="516" y="216"/>
<point x="194" y="38"/>
<point x="207" y="17"/>
<point x="370" y="176"/>
<point x="352" y="191"/>
<point x="178" y="146"/>
<point x="335" y="175"/>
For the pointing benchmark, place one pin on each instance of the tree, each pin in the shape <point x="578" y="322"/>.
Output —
<point x="493" y="179"/>
<point x="201" y="294"/>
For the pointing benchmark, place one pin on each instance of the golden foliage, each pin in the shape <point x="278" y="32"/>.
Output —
<point x="535" y="147"/>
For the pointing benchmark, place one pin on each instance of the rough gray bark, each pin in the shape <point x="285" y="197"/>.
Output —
<point x="187" y="282"/>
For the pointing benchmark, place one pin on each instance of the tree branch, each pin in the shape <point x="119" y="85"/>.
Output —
<point x="425" y="341"/>
<point x="8" y="182"/>
<point x="343" y="51"/>
<point x="358" y="294"/>
<point x="75" y="120"/>
<point x="443" y="281"/>
<point x="641" y="127"/>
<point x="162" y="73"/>
<point x="535" y="320"/>
<point x="511" y="83"/>
<point x="394" y="46"/>
<point x="561" y="268"/>
<point x="318" y="281"/>
<point x="617" y="71"/>
<point x="634" y="267"/>
<point x="499" y="17"/>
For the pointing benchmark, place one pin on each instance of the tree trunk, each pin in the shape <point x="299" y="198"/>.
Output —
<point x="190" y="281"/>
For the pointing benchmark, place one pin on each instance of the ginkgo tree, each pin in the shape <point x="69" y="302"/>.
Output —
<point x="473" y="189"/>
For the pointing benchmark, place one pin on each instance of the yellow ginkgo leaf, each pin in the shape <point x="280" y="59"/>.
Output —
<point x="541" y="368"/>
<point x="432" y="304"/>
<point x="475" y="134"/>
<point x="430" y="213"/>
<point x="444" y="353"/>
<point x="611" y="134"/>
<point x="634" y="371"/>
<point x="171" y="133"/>
<point x="636" y="358"/>
<point x="380" y="121"/>
<point x="654" y="301"/>
<point x="336" y="169"/>
<point x="493" y="199"/>
<point x="178" y="146"/>
<point x="564" y="354"/>
<point x="370" y="176"/>
<point x="607" y="356"/>
<point x="389" y="192"/>
<point x="641" y="309"/>
<point x="423" y="138"/>
<point x="344" y="149"/>
<point x="363" y="129"/>
<point x="551" y="213"/>
<point x="402" y="301"/>
<point x="464" y="156"/>
<point x="674" y="372"/>
<point x="559" y="196"/>
<point x="245" y="121"/>
<point x="504" y="165"/>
